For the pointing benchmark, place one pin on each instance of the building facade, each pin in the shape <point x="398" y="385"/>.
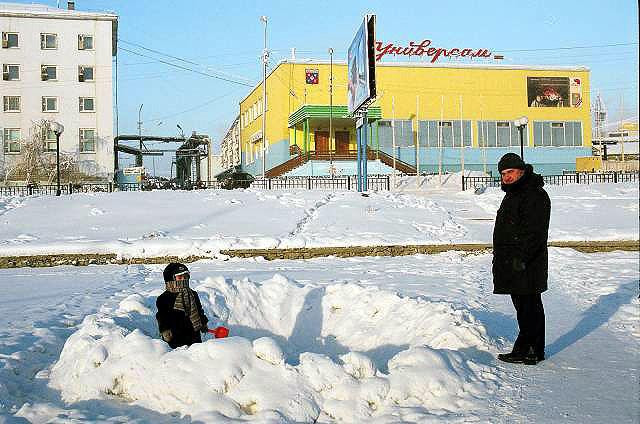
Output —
<point x="57" y="66"/>
<point x="230" y="146"/>
<point x="443" y="116"/>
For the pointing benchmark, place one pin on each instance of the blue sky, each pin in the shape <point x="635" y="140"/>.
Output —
<point x="226" y="38"/>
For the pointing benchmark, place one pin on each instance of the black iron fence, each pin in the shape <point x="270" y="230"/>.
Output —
<point x="566" y="178"/>
<point x="346" y="182"/>
<point x="375" y="183"/>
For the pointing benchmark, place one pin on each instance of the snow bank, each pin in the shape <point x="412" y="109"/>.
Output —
<point x="298" y="353"/>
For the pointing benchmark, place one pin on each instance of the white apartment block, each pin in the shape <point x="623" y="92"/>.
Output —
<point x="230" y="146"/>
<point x="57" y="65"/>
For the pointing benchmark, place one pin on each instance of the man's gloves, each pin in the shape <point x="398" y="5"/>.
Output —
<point x="166" y="335"/>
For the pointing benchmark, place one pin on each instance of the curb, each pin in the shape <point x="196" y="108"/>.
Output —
<point x="38" y="261"/>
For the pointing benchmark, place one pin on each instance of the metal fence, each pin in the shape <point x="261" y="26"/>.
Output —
<point x="566" y="178"/>
<point x="375" y="183"/>
<point x="347" y="182"/>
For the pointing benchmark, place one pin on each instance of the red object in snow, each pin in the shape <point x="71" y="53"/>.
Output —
<point x="219" y="332"/>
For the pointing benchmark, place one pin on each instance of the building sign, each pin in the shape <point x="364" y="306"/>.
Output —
<point x="554" y="92"/>
<point x="311" y="76"/>
<point x="424" y="48"/>
<point x="361" y="66"/>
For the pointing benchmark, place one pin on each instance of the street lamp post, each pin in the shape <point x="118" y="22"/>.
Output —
<point x="265" y="58"/>
<point x="57" y="129"/>
<point x="521" y="123"/>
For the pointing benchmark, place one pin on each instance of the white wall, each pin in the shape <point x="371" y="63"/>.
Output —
<point x="67" y="88"/>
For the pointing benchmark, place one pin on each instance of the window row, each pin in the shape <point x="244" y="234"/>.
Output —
<point x="12" y="140"/>
<point x="49" y="104"/>
<point x="457" y="133"/>
<point x="252" y="113"/>
<point x="48" y="41"/>
<point x="11" y="72"/>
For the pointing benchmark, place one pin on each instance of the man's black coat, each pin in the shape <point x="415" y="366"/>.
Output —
<point x="177" y="321"/>
<point x="520" y="258"/>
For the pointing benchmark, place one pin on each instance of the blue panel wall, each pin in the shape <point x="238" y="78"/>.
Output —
<point x="546" y="160"/>
<point x="277" y="154"/>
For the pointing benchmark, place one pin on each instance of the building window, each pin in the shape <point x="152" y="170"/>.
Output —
<point x="9" y="40"/>
<point x="11" y="103"/>
<point x="85" y="73"/>
<point x="49" y="140"/>
<point x="87" y="140"/>
<point x="10" y="72"/>
<point x="48" y="41"/>
<point x="11" y="137"/>
<point x="48" y="73"/>
<point x="403" y="133"/>
<point x="49" y="104"/>
<point x="557" y="133"/>
<point x="499" y="134"/>
<point x="85" y="42"/>
<point x="87" y="104"/>
<point x="454" y="133"/>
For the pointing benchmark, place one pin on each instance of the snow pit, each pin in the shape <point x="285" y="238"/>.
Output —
<point x="296" y="353"/>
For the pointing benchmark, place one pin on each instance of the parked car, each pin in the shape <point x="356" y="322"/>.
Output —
<point x="234" y="179"/>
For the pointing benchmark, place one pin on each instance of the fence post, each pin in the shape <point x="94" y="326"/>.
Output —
<point x="348" y="183"/>
<point x="309" y="183"/>
<point x="110" y="186"/>
<point x="615" y="177"/>
<point x="577" y="178"/>
<point x="462" y="182"/>
<point x="388" y="183"/>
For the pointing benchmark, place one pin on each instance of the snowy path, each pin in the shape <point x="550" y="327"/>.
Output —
<point x="593" y="335"/>
<point x="203" y="222"/>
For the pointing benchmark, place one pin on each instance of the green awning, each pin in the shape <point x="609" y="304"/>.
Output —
<point x="323" y="111"/>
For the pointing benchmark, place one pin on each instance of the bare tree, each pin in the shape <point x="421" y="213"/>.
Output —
<point x="36" y="162"/>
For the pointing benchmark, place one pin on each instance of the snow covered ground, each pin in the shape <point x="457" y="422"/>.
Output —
<point x="379" y="339"/>
<point x="146" y="224"/>
<point x="404" y="339"/>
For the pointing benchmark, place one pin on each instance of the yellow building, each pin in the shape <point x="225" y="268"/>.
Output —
<point x="445" y="115"/>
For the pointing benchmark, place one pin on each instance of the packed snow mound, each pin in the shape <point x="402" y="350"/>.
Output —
<point x="297" y="353"/>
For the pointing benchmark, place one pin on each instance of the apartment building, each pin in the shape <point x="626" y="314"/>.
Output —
<point x="230" y="147"/>
<point x="57" y="66"/>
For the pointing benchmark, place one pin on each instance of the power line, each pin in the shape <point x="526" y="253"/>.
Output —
<point x="188" y="69"/>
<point x="193" y="108"/>
<point x="175" y="57"/>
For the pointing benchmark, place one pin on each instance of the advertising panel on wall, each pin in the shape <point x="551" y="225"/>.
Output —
<point x="361" y="69"/>
<point x="548" y="91"/>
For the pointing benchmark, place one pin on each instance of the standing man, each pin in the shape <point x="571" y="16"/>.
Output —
<point x="520" y="258"/>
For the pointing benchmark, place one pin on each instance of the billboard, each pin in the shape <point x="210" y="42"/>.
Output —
<point x="361" y="65"/>
<point x="549" y="92"/>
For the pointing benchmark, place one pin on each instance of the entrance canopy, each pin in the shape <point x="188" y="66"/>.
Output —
<point x="338" y="113"/>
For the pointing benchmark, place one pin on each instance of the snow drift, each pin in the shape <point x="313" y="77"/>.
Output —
<point x="298" y="353"/>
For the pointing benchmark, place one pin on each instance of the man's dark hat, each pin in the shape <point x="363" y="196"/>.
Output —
<point x="172" y="269"/>
<point x="510" y="161"/>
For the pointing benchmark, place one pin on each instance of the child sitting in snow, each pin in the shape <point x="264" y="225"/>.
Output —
<point x="180" y="316"/>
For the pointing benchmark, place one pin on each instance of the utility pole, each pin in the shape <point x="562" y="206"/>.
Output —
<point x="265" y="57"/>
<point x="139" y="158"/>
<point x="330" y="108"/>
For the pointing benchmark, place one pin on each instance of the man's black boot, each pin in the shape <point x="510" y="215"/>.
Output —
<point x="532" y="358"/>
<point x="512" y="357"/>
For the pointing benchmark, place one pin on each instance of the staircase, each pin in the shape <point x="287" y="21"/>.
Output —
<point x="301" y="159"/>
